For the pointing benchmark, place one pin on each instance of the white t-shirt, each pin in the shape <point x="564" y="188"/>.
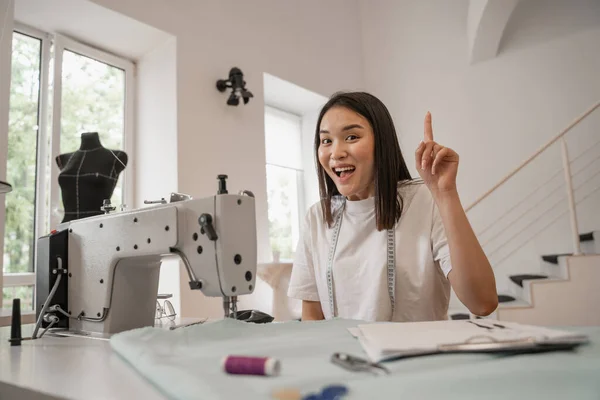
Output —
<point x="360" y="262"/>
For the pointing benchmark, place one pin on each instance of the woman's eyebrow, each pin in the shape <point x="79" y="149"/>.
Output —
<point x="346" y="128"/>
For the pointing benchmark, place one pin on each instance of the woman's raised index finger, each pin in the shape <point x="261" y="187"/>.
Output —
<point x="428" y="129"/>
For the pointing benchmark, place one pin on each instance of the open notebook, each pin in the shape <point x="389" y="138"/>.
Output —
<point x="385" y="341"/>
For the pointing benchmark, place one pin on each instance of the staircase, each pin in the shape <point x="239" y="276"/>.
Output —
<point x="547" y="272"/>
<point x="545" y="299"/>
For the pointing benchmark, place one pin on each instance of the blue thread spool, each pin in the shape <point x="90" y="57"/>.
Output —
<point x="246" y="365"/>
<point x="332" y="392"/>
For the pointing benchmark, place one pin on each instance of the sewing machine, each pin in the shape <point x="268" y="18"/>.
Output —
<point x="100" y="274"/>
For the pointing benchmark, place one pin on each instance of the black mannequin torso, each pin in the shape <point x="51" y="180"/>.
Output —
<point x="88" y="176"/>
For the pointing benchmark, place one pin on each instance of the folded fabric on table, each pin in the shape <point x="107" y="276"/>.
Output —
<point x="186" y="363"/>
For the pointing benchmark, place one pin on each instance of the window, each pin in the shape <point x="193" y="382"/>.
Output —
<point x="93" y="100"/>
<point x="21" y="169"/>
<point x="94" y="95"/>
<point x="285" y="193"/>
<point x="59" y="89"/>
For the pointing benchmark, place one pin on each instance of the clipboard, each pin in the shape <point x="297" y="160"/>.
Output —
<point x="390" y="341"/>
<point x="519" y="346"/>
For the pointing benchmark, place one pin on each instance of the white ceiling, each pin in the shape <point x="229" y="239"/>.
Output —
<point x="539" y="21"/>
<point x="91" y="24"/>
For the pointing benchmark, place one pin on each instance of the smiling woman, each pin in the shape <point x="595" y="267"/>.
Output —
<point x="345" y="152"/>
<point x="380" y="245"/>
<point x="346" y="136"/>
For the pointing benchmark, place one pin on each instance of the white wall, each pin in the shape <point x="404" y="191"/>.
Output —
<point x="156" y="143"/>
<point x="495" y="114"/>
<point x="316" y="47"/>
<point x="156" y="124"/>
<point x="6" y="27"/>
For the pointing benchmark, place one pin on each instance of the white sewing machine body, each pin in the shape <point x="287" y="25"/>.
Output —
<point x="110" y="277"/>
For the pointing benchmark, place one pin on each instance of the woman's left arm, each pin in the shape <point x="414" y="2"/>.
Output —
<point x="472" y="277"/>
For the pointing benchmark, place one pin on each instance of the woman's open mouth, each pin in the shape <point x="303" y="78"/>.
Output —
<point x="344" y="172"/>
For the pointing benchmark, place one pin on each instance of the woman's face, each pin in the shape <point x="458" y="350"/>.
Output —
<point x="346" y="152"/>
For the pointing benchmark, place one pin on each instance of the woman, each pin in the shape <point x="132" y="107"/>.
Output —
<point x="380" y="246"/>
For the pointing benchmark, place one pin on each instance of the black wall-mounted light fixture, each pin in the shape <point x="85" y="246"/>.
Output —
<point x="238" y="87"/>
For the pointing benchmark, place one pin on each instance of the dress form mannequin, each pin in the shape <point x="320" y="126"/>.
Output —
<point x="88" y="176"/>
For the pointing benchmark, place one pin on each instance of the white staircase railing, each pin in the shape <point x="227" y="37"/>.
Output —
<point x="570" y="189"/>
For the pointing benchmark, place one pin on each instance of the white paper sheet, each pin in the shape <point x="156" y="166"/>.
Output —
<point x="390" y="340"/>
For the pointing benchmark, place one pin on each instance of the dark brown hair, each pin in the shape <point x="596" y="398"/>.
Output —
<point x="390" y="167"/>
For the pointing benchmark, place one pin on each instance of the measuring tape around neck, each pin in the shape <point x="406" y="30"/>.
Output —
<point x="391" y="263"/>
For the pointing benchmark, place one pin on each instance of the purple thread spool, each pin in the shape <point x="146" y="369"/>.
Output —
<point x="244" y="365"/>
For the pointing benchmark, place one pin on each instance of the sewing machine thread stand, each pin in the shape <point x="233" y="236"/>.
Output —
<point x="222" y="184"/>
<point x="15" y="327"/>
<point x="107" y="207"/>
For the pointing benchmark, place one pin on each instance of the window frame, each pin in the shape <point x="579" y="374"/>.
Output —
<point x="299" y="174"/>
<point x="43" y="216"/>
<point x="28" y="278"/>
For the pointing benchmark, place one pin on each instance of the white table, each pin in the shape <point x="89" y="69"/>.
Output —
<point x="67" y="368"/>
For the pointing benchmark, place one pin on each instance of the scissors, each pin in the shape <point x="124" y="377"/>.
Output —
<point x="356" y="364"/>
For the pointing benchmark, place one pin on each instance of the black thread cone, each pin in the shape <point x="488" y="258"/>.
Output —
<point x="15" y="327"/>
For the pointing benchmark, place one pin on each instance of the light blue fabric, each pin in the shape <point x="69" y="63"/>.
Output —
<point x="186" y="364"/>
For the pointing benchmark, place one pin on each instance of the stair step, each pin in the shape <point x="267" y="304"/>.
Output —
<point x="460" y="316"/>
<point x="586" y="237"/>
<point x="504" y="298"/>
<point x="518" y="279"/>
<point x="518" y="303"/>
<point x="553" y="258"/>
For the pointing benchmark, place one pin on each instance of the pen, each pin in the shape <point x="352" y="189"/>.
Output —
<point x="481" y="326"/>
<point x="488" y="327"/>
